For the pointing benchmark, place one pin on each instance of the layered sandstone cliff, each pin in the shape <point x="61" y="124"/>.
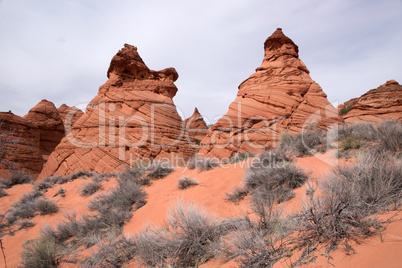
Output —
<point x="133" y="117"/>
<point x="19" y="145"/>
<point x="379" y="104"/>
<point x="280" y="96"/>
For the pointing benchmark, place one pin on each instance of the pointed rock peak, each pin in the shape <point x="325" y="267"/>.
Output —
<point x="127" y="61"/>
<point x="279" y="43"/>
<point x="196" y="112"/>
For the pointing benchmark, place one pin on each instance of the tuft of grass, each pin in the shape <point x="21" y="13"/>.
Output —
<point x="159" y="170"/>
<point x="42" y="253"/>
<point x="206" y="164"/>
<point x="45" y="206"/>
<point x="3" y="192"/>
<point x="238" y="194"/>
<point x="90" y="188"/>
<point x="186" y="182"/>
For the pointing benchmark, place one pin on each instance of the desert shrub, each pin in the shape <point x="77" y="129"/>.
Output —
<point x="302" y="143"/>
<point x="90" y="188"/>
<point x="186" y="182"/>
<point x="60" y="192"/>
<point x="45" y="206"/>
<point x="206" y="164"/>
<point x="238" y="194"/>
<point x="26" y="224"/>
<point x="42" y="253"/>
<point x="191" y="239"/>
<point x="159" y="170"/>
<point x="154" y="247"/>
<point x="238" y="157"/>
<point x="350" y="143"/>
<point x="362" y="131"/>
<point x="123" y="197"/>
<point x="390" y="136"/>
<point x="192" y="162"/>
<point x="25" y="207"/>
<point x="136" y="174"/>
<point x="3" y="192"/>
<point x="80" y="174"/>
<point x="16" y="177"/>
<point x="112" y="253"/>
<point x="345" y="110"/>
<point x="340" y="214"/>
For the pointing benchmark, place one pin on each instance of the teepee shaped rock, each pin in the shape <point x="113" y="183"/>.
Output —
<point x="280" y="96"/>
<point x="196" y="126"/>
<point x="133" y="117"/>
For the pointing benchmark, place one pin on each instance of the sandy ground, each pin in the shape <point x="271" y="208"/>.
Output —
<point x="210" y="194"/>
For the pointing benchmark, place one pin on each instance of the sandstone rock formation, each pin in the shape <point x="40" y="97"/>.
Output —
<point x="132" y="117"/>
<point x="69" y="115"/>
<point x="19" y="145"/>
<point x="47" y="119"/>
<point x="196" y="126"/>
<point x="382" y="103"/>
<point x="280" y="96"/>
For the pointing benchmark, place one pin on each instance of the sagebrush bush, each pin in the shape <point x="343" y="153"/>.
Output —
<point x="26" y="224"/>
<point x="238" y="194"/>
<point x="186" y="182"/>
<point x="303" y="143"/>
<point x="238" y="157"/>
<point x="350" y="143"/>
<point x="45" y="206"/>
<point x="361" y="131"/>
<point x="390" y="136"/>
<point x="42" y="253"/>
<point x="16" y="177"/>
<point x="206" y="164"/>
<point x="340" y="214"/>
<point x="25" y="207"/>
<point x="159" y="170"/>
<point x="3" y="192"/>
<point x="90" y="188"/>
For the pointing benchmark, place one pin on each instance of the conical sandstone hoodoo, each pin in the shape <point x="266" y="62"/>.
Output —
<point x="133" y="117"/>
<point x="196" y="126"/>
<point x="379" y="104"/>
<point x="280" y="96"/>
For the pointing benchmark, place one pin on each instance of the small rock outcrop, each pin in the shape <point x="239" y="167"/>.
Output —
<point x="133" y="117"/>
<point x="19" y="145"/>
<point x="196" y="126"/>
<point x="280" y="96"/>
<point x="69" y="115"/>
<point x="379" y="104"/>
<point x="47" y="119"/>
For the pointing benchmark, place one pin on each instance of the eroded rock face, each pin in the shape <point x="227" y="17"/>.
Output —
<point x="69" y="115"/>
<point x="382" y="103"/>
<point x="24" y="154"/>
<point x="196" y="126"/>
<point x="47" y="119"/>
<point x="280" y="96"/>
<point x="132" y="117"/>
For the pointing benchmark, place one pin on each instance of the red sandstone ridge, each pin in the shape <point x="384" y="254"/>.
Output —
<point x="382" y="103"/>
<point x="279" y="96"/>
<point x="47" y="119"/>
<point x="24" y="155"/>
<point x="132" y="117"/>
<point x="196" y="126"/>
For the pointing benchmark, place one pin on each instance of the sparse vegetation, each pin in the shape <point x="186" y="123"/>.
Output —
<point x="350" y="143"/>
<point x="42" y="253"/>
<point x="45" y="206"/>
<point x="186" y="182"/>
<point x="160" y="170"/>
<point x="24" y="208"/>
<point x="90" y="188"/>
<point x="16" y="177"/>
<point x="345" y="110"/>
<point x="206" y="163"/>
<point x="390" y="136"/>
<point x="238" y="194"/>
<point x="304" y="143"/>
<point x="238" y="157"/>
<point x="3" y="192"/>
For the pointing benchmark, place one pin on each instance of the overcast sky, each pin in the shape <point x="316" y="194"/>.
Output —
<point x="61" y="50"/>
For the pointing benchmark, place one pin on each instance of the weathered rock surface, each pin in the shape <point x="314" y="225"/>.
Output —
<point x="196" y="126"/>
<point x="47" y="119"/>
<point x="69" y="115"/>
<point x="379" y="104"/>
<point x="132" y="117"/>
<point x="24" y="154"/>
<point x="280" y="96"/>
